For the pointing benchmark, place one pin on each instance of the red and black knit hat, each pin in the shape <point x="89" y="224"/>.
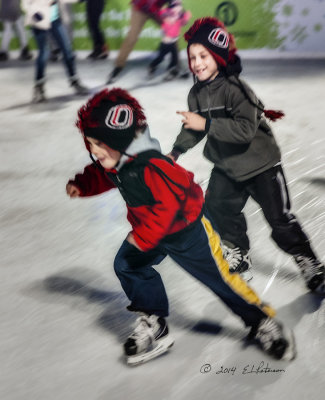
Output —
<point x="212" y="34"/>
<point x="113" y="117"/>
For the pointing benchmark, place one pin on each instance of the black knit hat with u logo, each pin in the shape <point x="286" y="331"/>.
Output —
<point x="113" y="117"/>
<point x="212" y="34"/>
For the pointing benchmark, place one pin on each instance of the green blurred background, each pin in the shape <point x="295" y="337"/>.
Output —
<point x="285" y="25"/>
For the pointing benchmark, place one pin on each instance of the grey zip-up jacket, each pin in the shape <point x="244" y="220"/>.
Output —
<point x="239" y="141"/>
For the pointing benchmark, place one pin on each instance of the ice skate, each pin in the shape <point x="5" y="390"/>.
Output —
<point x="313" y="272"/>
<point x="4" y="56"/>
<point x="99" y="53"/>
<point x="151" y="72"/>
<point x="39" y="93"/>
<point x="113" y="75"/>
<point x="238" y="260"/>
<point x="274" y="339"/>
<point x="184" y="74"/>
<point x="171" y="74"/>
<point x="25" y="54"/>
<point x="149" y="340"/>
<point x="78" y="87"/>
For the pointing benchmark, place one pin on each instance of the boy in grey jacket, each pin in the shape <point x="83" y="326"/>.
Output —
<point x="240" y="143"/>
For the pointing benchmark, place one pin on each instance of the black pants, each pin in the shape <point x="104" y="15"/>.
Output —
<point x="164" y="49"/>
<point x="94" y="12"/>
<point x="226" y="198"/>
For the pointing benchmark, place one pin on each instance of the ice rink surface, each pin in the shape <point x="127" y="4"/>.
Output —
<point x="63" y="315"/>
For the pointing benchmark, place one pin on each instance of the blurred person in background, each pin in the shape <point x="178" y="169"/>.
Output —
<point x="66" y="14"/>
<point x="141" y="12"/>
<point x="12" y="18"/>
<point x="44" y="18"/>
<point x="174" y="17"/>
<point x="94" y="10"/>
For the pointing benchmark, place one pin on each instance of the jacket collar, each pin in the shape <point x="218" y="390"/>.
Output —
<point x="216" y="82"/>
<point x="143" y="142"/>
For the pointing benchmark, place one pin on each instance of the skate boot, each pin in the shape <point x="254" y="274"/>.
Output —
<point x="313" y="272"/>
<point x="99" y="53"/>
<point x="78" y="87"/>
<point x="184" y="74"/>
<point x="4" y="56"/>
<point x="114" y="74"/>
<point x="274" y="339"/>
<point x="39" y="93"/>
<point x="238" y="260"/>
<point x="151" y="71"/>
<point x="171" y="74"/>
<point x="149" y="339"/>
<point x="25" y="54"/>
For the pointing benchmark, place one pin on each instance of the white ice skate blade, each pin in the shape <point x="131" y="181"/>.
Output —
<point x="246" y="275"/>
<point x="291" y="350"/>
<point x="161" y="347"/>
<point x="320" y="290"/>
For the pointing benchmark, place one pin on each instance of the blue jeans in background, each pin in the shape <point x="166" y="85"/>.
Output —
<point x="59" y="34"/>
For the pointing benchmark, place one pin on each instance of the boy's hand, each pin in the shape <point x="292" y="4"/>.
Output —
<point x="174" y="154"/>
<point x="170" y="155"/>
<point x="131" y="240"/>
<point x="72" y="190"/>
<point x="192" y="120"/>
<point x="37" y="17"/>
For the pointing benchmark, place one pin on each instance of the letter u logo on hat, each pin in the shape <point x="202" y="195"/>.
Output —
<point x="219" y="37"/>
<point x="119" y="117"/>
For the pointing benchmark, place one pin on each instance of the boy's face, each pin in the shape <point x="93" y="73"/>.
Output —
<point x="107" y="157"/>
<point x="202" y="62"/>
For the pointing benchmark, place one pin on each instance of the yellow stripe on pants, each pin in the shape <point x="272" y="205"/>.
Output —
<point x="234" y="281"/>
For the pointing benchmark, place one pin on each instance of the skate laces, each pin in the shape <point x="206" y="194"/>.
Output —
<point x="144" y="329"/>
<point x="234" y="256"/>
<point x="268" y="332"/>
<point x="309" y="266"/>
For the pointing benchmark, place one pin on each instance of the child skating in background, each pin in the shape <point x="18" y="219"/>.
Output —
<point x="12" y="19"/>
<point x="141" y="12"/>
<point x="247" y="161"/>
<point x="44" y="18"/>
<point x="165" y="210"/>
<point x="173" y="17"/>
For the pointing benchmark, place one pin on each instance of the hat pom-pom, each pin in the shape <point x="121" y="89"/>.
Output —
<point x="273" y="115"/>
<point x="115" y="95"/>
<point x="199" y="23"/>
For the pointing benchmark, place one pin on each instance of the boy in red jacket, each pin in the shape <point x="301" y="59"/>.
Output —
<point x="165" y="210"/>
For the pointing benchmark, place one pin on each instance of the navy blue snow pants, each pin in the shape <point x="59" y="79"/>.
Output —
<point x="197" y="250"/>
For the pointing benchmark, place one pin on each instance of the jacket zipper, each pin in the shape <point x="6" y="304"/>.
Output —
<point x="209" y="112"/>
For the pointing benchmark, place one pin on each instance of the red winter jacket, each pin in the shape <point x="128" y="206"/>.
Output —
<point x="167" y="202"/>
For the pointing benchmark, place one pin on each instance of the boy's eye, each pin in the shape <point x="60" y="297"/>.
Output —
<point x="96" y="143"/>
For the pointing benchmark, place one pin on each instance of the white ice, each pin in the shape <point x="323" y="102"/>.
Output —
<point x="63" y="316"/>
